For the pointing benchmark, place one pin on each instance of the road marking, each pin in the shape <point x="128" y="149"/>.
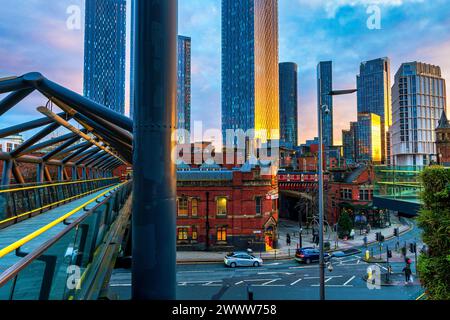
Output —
<point x="120" y="285"/>
<point x="295" y="282"/>
<point x="350" y="280"/>
<point x="268" y="273"/>
<point x="238" y="283"/>
<point x="305" y="267"/>
<point x="269" y="283"/>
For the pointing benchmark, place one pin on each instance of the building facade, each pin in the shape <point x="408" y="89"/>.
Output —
<point x="288" y="105"/>
<point x="418" y="100"/>
<point x="374" y="96"/>
<point x="250" y="88"/>
<point x="221" y="209"/>
<point x="184" y="88"/>
<point x="104" y="53"/>
<point x="349" y="138"/>
<point x="324" y="87"/>
<point x="443" y="141"/>
<point x="369" y="138"/>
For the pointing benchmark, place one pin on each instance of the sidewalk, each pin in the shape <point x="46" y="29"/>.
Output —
<point x="286" y="252"/>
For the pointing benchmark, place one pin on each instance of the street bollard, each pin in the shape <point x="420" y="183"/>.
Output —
<point x="250" y="293"/>
<point x="367" y="255"/>
<point x="275" y="251"/>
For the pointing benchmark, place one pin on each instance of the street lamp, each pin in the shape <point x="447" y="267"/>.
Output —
<point x="324" y="109"/>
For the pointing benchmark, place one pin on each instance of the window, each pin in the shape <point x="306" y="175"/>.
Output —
<point x="222" y="234"/>
<point x="183" y="206"/>
<point x="182" y="234"/>
<point x="194" y="234"/>
<point x="365" y="195"/>
<point x="9" y="147"/>
<point x="222" y="206"/>
<point x="258" y="201"/>
<point x="194" y="207"/>
<point x="346" y="194"/>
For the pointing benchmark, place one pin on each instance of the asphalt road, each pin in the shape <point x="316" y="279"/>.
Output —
<point x="282" y="280"/>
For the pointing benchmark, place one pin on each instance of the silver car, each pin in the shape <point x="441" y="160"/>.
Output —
<point x="242" y="259"/>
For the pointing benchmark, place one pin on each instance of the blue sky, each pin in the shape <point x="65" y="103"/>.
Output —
<point x="34" y="37"/>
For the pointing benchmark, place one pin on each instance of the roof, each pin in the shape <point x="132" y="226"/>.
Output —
<point x="197" y="175"/>
<point x="443" y="122"/>
<point x="355" y="174"/>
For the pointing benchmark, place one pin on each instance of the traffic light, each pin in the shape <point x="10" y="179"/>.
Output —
<point x="396" y="232"/>
<point x="381" y="237"/>
<point x="378" y="236"/>
<point x="389" y="254"/>
<point x="412" y="247"/>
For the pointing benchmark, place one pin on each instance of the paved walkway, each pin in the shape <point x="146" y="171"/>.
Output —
<point x="16" y="232"/>
<point x="286" y="252"/>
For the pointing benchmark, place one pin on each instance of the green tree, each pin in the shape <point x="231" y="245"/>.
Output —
<point x="434" y="219"/>
<point x="345" y="224"/>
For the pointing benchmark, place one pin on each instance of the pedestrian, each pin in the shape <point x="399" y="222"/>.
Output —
<point x="408" y="273"/>
<point x="369" y="228"/>
<point x="352" y="234"/>
<point x="365" y="241"/>
<point x="288" y="240"/>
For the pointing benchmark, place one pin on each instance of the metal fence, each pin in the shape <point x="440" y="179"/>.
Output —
<point x="56" y="270"/>
<point x="17" y="204"/>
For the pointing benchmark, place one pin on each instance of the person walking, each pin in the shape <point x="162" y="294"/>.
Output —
<point x="288" y="240"/>
<point x="408" y="273"/>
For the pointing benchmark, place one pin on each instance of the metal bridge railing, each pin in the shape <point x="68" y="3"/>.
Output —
<point x="20" y="203"/>
<point x="57" y="269"/>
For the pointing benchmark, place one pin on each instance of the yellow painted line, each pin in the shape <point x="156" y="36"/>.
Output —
<point x="420" y="297"/>
<point x="50" y="205"/>
<point x="44" y="229"/>
<point x="52" y="185"/>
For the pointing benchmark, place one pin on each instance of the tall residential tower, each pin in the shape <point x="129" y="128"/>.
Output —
<point x="104" y="53"/>
<point x="324" y="88"/>
<point x="288" y="105"/>
<point x="418" y="101"/>
<point x="250" y="89"/>
<point x="374" y="96"/>
<point x="184" y="87"/>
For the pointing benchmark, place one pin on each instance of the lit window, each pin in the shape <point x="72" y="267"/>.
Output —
<point x="183" y="206"/>
<point x="182" y="234"/>
<point x="222" y="234"/>
<point x="194" y="207"/>
<point x="222" y="206"/>
<point x="194" y="234"/>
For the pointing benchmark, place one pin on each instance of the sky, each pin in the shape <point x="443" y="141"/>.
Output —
<point x="34" y="37"/>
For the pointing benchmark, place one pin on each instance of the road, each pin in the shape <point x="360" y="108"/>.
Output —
<point x="281" y="280"/>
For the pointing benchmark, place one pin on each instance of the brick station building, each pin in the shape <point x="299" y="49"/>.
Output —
<point x="443" y="141"/>
<point x="226" y="209"/>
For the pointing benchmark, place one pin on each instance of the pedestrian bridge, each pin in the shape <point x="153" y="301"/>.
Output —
<point x="65" y="244"/>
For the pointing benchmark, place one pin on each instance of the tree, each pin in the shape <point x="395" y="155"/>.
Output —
<point x="434" y="219"/>
<point x="345" y="224"/>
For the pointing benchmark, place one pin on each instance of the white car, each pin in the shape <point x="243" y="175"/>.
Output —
<point x="242" y="259"/>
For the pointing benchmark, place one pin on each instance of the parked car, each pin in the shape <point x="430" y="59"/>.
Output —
<point x="309" y="255"/>
<point x="242" y="259"/>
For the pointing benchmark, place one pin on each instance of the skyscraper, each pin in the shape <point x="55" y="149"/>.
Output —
<point x="374" y="95"/>
<point x="184" y="87"/>
<point x="349" y="138"/>
<point x="324" y="87"/>
<point x="369" y="138"/>
<point x="288" y="105"/>
<point x="418" y="100"/>
<point x="250" y="97"/>
<point x="104" y="53"/>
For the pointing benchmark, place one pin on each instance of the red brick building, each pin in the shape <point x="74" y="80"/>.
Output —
<point x="222" y="209"/>
<point x="352" y="190"/>
<point x="443" y="141"/>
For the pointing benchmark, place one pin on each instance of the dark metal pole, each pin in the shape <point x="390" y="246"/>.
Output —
<point x="154" y="211"/>
<point x="321" y="207"/>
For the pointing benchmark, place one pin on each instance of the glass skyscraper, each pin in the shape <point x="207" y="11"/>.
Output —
<point x="369" y="138"/>
<point x="374" y="95"/>
<point x="250" y="89"/>
<point x="104" y="53"/>
<point x="288" y="105"/>
<point x="324" y="87"/>
<point x="184" y="87"/>
<point x="349" y="138"/>
<point x="418" y="100"/>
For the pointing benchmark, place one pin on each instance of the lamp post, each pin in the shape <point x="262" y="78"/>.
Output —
<point x="321" y="110"/>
